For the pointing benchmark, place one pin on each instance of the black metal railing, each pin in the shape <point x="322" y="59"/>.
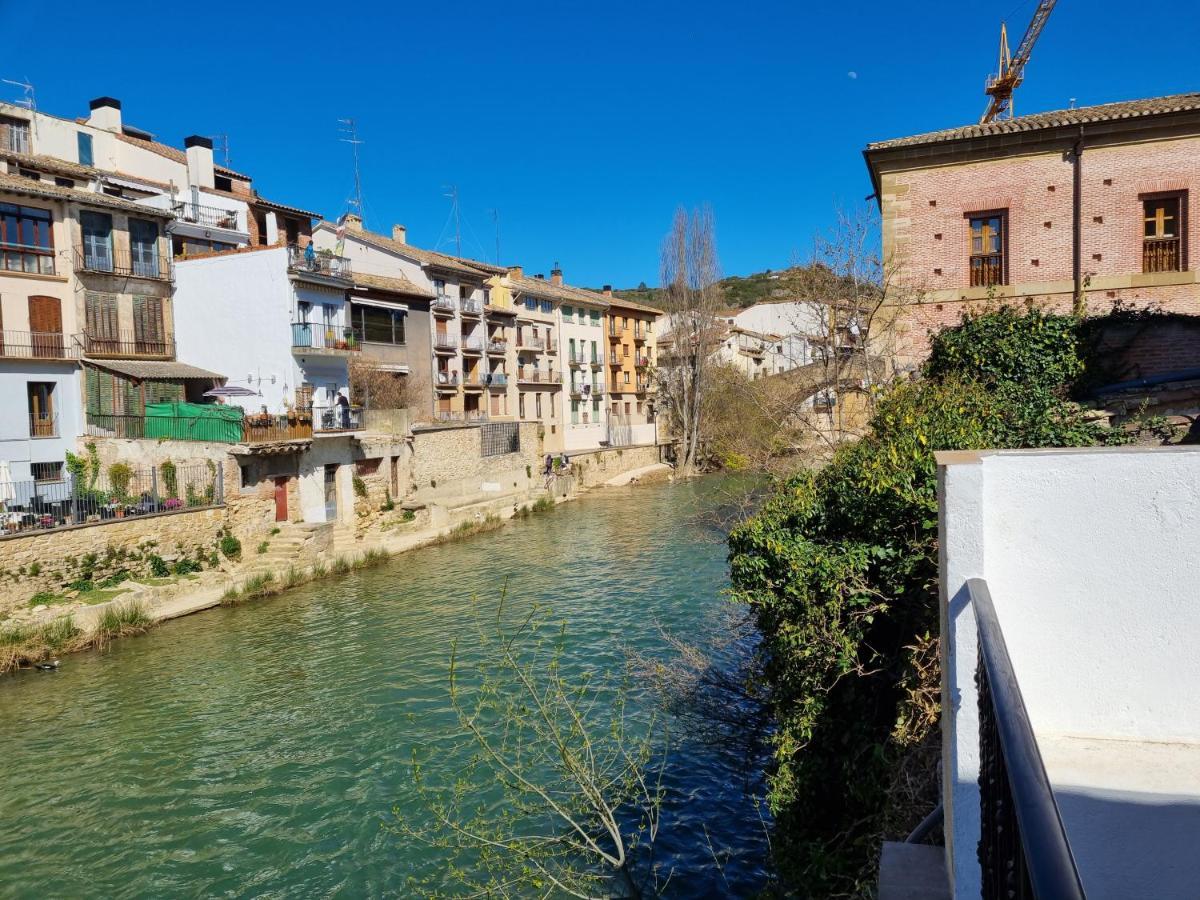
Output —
<point x="1023" y="847"/>
<point x="108" y="261"/>
<point x="315" y="336"/>
<point x="318" y="263"/>
<point x="336" y="418"/>
<point x="127" y="344"/>
<point x="208" y="216"/>
<point x="39" y="345"/>
<point x="110" y="494"/>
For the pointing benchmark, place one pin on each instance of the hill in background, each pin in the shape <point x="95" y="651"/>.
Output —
<point x="740" y="290"/>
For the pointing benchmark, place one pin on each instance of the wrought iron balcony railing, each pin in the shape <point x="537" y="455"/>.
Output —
<point x="208" y="216"/>
<point x="442" y="304"/>
<point x="471" y="307"/>
<point x="496" y="380"/>
<point x="1023" y="846"/>
<point x="447" y="381"/>
<point x="497" y="347"/>
<point x="336" y="418"/>
<point x="123" y="263"/>
<point x="122" y="344"/>
<point x="43" y="426"/>
<point x="317" y="336"/>
<point x="318" y="263"/>
<point x="445" y="343"/>
<point x="39" y="345"/>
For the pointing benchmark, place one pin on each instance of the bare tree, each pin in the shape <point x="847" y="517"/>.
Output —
<point x="690" y="274"/>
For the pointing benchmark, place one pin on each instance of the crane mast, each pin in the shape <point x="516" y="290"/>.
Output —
<point x="1011" y="73"/>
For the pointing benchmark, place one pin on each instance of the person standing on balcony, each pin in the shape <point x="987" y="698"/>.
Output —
<point x="310" y="255"/>
<point x="343" y="405"/>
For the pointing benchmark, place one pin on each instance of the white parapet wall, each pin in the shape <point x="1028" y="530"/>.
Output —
<point x="1092" y="558"/>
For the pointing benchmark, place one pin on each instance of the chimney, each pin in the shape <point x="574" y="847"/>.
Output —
<point x="540" y="276"/>
<point x="353" y="222"/>
<point x="199" y="161"/>
<point x="399" y="234"/>
<point x="106" y="114"/>
<point x="556" y="275"/>
<point x="517" y="271"/>
<point x="607" y="290"/>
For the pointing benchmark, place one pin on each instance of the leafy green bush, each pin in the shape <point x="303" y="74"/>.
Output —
<point x="840" y="568"/>
<point x="119" y="476"/>
<point x="186" y="566"/>
<point x="170" y="479"/>
<point x="230" y="546"/>
<point x="158" y="566"/>
<point x="360" y="486"/>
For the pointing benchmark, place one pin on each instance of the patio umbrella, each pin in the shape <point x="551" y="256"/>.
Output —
<point x="231" y="390"/>
<point x="6" y="483"/>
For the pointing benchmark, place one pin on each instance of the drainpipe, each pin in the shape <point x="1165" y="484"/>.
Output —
<point x="1080" y="305"/>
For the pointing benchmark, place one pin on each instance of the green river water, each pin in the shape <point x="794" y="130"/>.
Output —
<point x="257" y="750"/>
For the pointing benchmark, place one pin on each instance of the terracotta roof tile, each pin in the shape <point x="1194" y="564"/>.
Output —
<point x="21" y="185"/>
<point x="396" y="285"/>
<point x="174" y="153"/>
<point x="1108" y="112"/>
<point x="425" y="257"/>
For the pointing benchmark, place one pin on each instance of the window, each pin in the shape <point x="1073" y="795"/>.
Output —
<point x="97" y="241"/>
<point x="625" y="350"/>
<point x="595" y="354"/>
<point x="596" y="409"/>
<point x="40" y="395"/>
<point x="531" y="303"/>
<point x="14" y="135"/>
<point x="30" y="174"/>
<point x="379" y="325"/>
<point x="439" y="287"/>
<point x="26" y="239"/>
<point x="988" y="240"/>
<point x="521" y="405"/>
<point x="143" y="247"/>
<point x="487" y="296"/>
<point x="547" y="306"/>
<point x="574" y="412"/>
<point x="223" y="183"/>
<point x="568" y="313"/>
<point x="84" y="142"/>
<point x="292" y="228"/>
<point x="1163" y="222"/>
<point x="149" y="332"/>
<point x="64" y="182"/>
<point x="47" y="471"/>
<point x="627" y="408"/>
<point x="537" y="404"/>
<point x="595" y="317"/>
<point x="260" y="225"/>
<point x="101" y="322"/>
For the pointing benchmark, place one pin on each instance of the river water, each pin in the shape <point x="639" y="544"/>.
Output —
<point x="258" y="750"/>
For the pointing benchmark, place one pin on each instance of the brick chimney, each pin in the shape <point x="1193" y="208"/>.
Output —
<point x="556" y="275"/>
<point x="540" y="276"/>
<point x="517" y="271"/>
<point x="607" y="290"/>
<point x="199" y="161"/>
<point x="399" y="234"/>
<point x="353" y="222"/>
<point x="106" y="114"/>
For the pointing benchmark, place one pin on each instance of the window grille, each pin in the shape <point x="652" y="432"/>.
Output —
<point x="499" y="438"/>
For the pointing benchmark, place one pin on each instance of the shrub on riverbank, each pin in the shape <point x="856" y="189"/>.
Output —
<point x="840" y="568"/>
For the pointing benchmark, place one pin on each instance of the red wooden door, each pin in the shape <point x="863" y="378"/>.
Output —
<point x="281" y="511"/>
<point x="45" y="323"/>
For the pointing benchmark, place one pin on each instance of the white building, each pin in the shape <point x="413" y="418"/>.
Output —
<point x="1068" y="591"/>
<point x="583" y="345"/>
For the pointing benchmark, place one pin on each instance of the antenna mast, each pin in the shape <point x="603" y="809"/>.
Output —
<point x="223" y="142"/>
<point x="496" y="220"/>
<point x="453" y="195"/>
<point x="348" y="127"/>
<point x="29" y="102"/>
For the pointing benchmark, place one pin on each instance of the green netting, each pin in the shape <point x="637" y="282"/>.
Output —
<point x="194" y="422"/>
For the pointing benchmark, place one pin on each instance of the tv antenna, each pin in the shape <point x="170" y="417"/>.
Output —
<point x="29" y="101"/>
<point x="348" y="127"/>
<point x="453" y="195"/>
<point x="496" y="222"/>
<point x="223" y="142"/>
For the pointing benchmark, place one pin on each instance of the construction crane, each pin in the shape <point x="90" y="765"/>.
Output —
<point x="1000" y="87"/>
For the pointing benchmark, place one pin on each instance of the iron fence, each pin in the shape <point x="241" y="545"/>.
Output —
<point x="319" y="263"/>
<point x="124" y="263"/>
<point x="208" y="216"/>
<point x="111" y="494"/>
<point x="38" y="345"/>
<point x="336" y="418"/>
<point x="499" y="438"/>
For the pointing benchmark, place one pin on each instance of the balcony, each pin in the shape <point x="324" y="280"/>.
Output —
<point x="447" y="381"/>
<point x="497" y="348"/>
<point x="987" y="270"/>
<point x="528" y="375"/>
<point x="43" y="426"/>
<point x="265" y="428"/>
<point x="332" y="340"/>
<point x="122" y="264"/>
<point x="321" y="265"/>
<point x="471" y="309"/>
<point x="598" y="389"/>
<point x="475" y="415"/>
<point x="641" y="362"/>
<point x="614" y="335"/>
<point x="639" y="336"/>
<point x="449" y="415"/>
<point x="336" y="419"/>
<point x="39" y="345"/>
<point x="576" y="358"/>
<point x="1072" y="743"/>
<point x="445" y="343"/>
<point x="126" y="345"/>
<point x="1162" y="255"/>
<point x="442" y="305"/>
<point x="496" y="381"/>
<point x="532" y="344"/>
<point x="473" y="381"/>
<point x="208" y="216"/>
<point x="472" y="346"/>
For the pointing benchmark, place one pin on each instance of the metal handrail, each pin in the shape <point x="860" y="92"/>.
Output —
<point x="1046" y="866"/>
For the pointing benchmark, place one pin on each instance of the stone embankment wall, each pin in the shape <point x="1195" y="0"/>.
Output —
<point x="594" y="467"/>
<point x="447" y="467"/>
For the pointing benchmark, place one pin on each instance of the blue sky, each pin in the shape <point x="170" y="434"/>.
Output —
<point x="585" y="125"/>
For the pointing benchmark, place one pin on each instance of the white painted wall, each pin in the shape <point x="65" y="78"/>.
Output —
<point x="1092" y="560"/>
<point x="582" y="437"/>
<point x="17" y="447"/>
<point x="233" y="316"/>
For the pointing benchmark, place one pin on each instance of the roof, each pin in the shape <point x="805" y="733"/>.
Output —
<point x="629" y="304"/>
<point x="19" y="184"/>
<point x="255" y="200"/>
<point x="151" y="369"/>
<point x="470" y="267"/>
<point x="174" y="153"/>
<point x="393" y="284"/>
<point x="562" y="292"/>
<point x="1108" y="112"/>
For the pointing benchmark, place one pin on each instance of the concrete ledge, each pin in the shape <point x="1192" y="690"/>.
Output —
<point x="913" y="872"/>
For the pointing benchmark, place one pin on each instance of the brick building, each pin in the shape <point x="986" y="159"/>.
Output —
<point x="1082" y="208"/>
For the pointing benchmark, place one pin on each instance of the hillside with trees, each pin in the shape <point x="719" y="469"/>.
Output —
<point x="739" y="291"/>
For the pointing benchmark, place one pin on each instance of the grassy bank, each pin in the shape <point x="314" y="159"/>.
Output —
<point x="30" y="644"/>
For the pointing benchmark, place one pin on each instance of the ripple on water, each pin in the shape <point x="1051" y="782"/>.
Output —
<point x="258" y="749"/>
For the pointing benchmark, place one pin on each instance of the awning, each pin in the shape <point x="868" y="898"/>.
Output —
<point x="382" y="304"/>
<point x="232" y="390"/>
<point x="390" y="367"/>
<point x="144" y="370"/>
